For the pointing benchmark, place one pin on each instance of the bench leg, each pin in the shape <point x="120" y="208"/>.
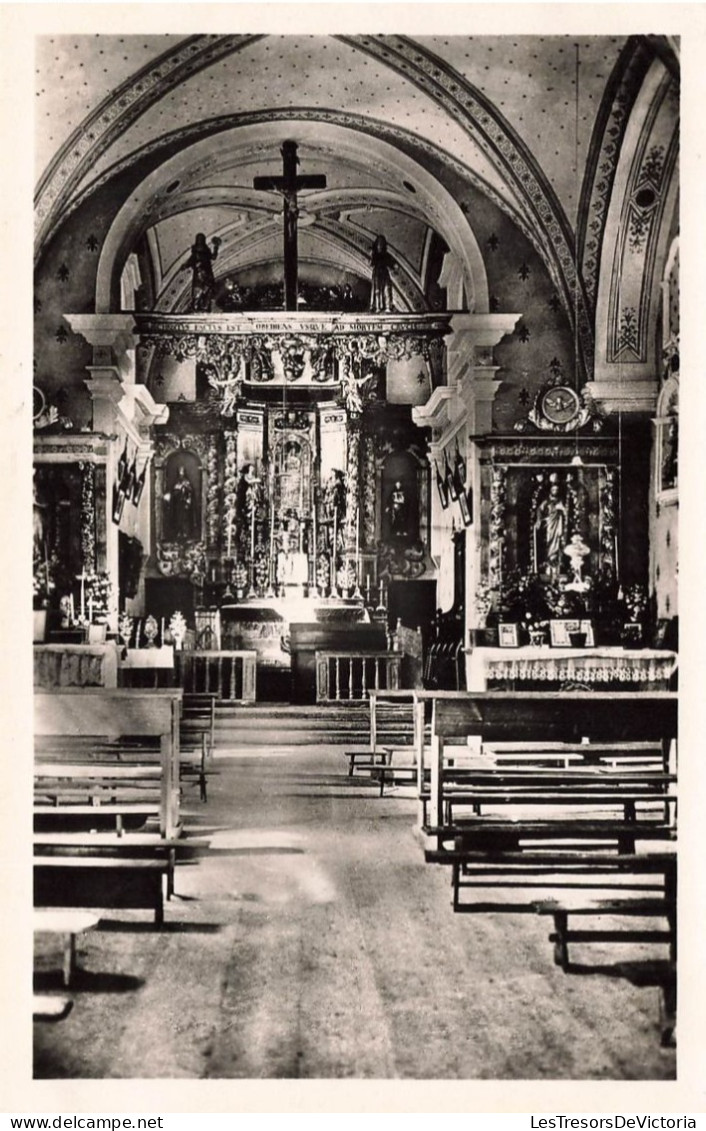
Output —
<point x="456" y="880"/>
<point x="159" y="904"/>
<point x="561" y="946"/>
<point x="171" y="867"/>
<point x="69" y="969"/>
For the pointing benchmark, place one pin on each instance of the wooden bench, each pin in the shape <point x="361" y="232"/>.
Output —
<point x="602" y="722"/>
<point x="48" y="1007"/>
<point x="401" y="702"/>
<point x="81" y="799"/>
<point x="125" y="844"/>
<point x="100" y="881"/>
<point x="652" y="908"/>
<point x="554" y="866"/>
<point x="197" y="736"/>
<point x="134" y="718"/>
<point x="69" y="924"/>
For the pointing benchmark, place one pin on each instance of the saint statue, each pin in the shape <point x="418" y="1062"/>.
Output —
<point x="182" y="505"/>
<point x="335" y="496"/>
<point x="38" y="524"/>
<point x="202" y="281"/>
<point x="381" y="284"/>
<point x="550" y="531"/>
<point x="397" y="511"/>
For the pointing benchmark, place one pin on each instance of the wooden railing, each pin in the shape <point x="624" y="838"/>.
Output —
<point x="351" y="675"/>
<point x="227" y="675"/>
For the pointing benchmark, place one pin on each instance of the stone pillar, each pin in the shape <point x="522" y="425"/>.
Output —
<point x="125" y="413"/>
<point x="456" y="412"/>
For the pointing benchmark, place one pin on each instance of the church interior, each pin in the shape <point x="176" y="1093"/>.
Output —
<point x="355" y="545"/>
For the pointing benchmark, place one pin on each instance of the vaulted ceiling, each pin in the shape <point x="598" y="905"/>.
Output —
<point x="534" y="124"/>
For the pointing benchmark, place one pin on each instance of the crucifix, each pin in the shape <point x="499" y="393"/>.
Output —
<point x="289" y="184"/>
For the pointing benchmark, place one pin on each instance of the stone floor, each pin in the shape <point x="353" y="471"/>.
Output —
<point x="314" y="942"/>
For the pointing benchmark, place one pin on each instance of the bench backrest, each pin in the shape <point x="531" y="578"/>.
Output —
<point x="559" y="717"/>
<point x="113" y="713"/>
<point x="541" y="717"/>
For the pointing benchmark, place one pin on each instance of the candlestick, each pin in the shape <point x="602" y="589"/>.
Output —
<point x="82" y="579"/>
<point x="90" y="610"/>
<point x="334" y="579"/>
<point x="73" y="611"/>
<point x="229" y="539"/>
<point x="367" y="590"/>
<point x="357" y="541"/>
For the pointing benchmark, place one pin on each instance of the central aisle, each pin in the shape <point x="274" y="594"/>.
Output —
<point x="313" y="941"/>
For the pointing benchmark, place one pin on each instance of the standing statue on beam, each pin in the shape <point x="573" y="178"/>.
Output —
<point x="381" y="284"/>
<point x="203" y="283"/>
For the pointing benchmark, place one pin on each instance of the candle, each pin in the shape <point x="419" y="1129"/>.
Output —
<point x="367" y="589"/>
<point x="90" y="610"/>
<point x="230" y="533"/>
<point x="161" y="631"/>
<point x="83" y="594"/>
<point x="357" y="543"/>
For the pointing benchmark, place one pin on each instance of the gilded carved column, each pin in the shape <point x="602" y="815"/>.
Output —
<point x="230" y="491"/>
<point x="352" y="482"/>
<point x="368" y="492"/>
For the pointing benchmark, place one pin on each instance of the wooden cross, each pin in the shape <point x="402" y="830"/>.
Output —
<point x="289" y="184"/>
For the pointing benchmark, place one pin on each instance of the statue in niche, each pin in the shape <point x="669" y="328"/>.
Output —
<point x="381" y="289"/>
<point x="181" y="501"/>
<point x="38" y="523"/>
<point x="200" y="262"/>
<point x="550" y="530"/>
<point x="397" y="510"/>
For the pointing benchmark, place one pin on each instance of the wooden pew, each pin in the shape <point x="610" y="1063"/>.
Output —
<point x="197" y="736"/>
<point x="606" y="718"/>
<point x="382" y="754"/>
<point x="108" y="872"/>
<point x="68" y="925"/>
<point x="88" y="713"/>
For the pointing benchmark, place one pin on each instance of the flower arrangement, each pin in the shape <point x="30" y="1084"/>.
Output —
<point x="240" y="575"/>
<point x="483" y="600"/>
<point x="323" y="572"/>
<point x="97" y="589"/>
<point x="635" y="601"/>
<point x="44" y="580"/>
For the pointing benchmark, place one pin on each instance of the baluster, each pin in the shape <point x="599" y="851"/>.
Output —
<point x="219" y="685"/>
<point x="351" y="662"/>
<point x="364" y="684"/>
<point x="207" y="674"/>
<point x="233" y="664"/>
<point x="377" y="673"/>
<point x="337" y="663"/>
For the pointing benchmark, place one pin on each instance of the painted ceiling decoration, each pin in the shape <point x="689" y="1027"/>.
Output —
<point x="640" y="227"/>
<point x="166" y="135"/>
<point x="602" y="161"/>
<point x="122" y="107"/>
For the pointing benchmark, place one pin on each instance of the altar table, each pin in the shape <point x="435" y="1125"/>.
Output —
<point x="643" y="668"/>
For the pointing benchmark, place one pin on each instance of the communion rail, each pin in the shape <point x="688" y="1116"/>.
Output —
<point x="352" y="674"/>
<point x="227" y="675"/>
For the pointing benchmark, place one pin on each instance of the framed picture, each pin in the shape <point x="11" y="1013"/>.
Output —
<point x="465" y="502"/>
<point x="561" y="633"/>
<point x="507" y="636"/>
<point x="442" y="489"/>
<point x="118" y="504"/>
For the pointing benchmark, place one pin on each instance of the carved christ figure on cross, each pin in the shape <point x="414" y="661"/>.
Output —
<point x="289" y="184"/>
